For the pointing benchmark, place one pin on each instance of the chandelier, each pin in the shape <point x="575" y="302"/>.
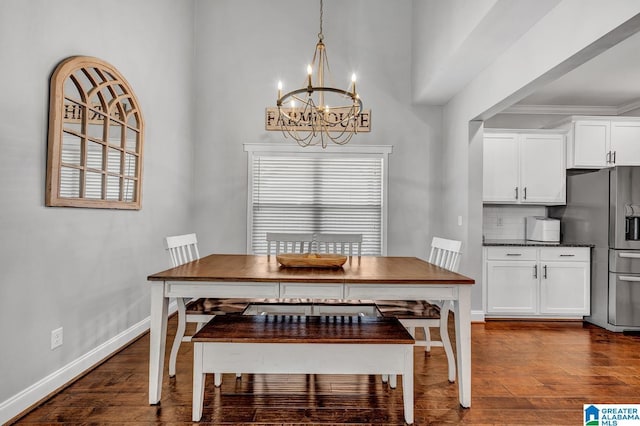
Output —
<point x="315" y="113"/>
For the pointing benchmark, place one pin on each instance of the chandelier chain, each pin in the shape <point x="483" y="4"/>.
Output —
<point x="320" y="35"/>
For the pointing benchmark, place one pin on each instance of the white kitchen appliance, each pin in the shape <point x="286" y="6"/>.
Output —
<point x="540" y="228"/>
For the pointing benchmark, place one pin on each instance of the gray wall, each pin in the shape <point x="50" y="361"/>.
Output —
<point x="85" y="269"/>
<point x="244" y="47"/>
<point x="203" y="71"/>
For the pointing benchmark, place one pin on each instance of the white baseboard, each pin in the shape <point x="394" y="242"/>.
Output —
<point x="49" y="384"/>
<point x="477" y="316"/>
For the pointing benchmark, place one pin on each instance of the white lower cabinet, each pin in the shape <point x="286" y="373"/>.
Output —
<point x="551" y="282"/>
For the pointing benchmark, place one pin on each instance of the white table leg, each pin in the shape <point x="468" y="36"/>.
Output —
<point x="157" y="340"/>
<point x="407" y="385"/>
<point x="462" y="309"/>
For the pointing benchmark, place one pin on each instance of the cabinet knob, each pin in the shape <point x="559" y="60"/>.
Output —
<point x="544" y="272"/>
<point x="516" y="192"/>
<point x="535" y="271"/>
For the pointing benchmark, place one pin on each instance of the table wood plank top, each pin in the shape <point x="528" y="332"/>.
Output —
<point x="357" y="269"/>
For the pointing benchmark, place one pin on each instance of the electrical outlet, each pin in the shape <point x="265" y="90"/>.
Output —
<point x="499" y="222"/>
<point x="56" y="338"/>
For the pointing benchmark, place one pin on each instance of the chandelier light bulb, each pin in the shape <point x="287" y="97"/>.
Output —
<point x="279" y="89"/>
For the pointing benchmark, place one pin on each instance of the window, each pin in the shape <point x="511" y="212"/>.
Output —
<point x="95" y="137"/>
<point x="335" y="190"/>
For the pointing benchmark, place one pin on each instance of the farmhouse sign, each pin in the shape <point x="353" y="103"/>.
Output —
<point x="274" y="122"/>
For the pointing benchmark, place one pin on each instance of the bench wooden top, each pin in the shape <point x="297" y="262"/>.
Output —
<point x="303" y="329"/>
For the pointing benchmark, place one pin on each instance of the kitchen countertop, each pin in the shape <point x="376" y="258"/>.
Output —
<point x="529" y="243"/>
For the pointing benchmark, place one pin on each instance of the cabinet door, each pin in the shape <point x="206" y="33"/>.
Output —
<point x="512" y="287"/>
<point x="500" y="168"/>
<point x="590" y="143"/>
<point x="565" y="288"/>
<point x="542" y="169"/>
<point x="625" y="143"/>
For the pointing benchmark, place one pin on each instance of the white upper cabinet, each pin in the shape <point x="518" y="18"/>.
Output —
<point x="598" y="142"/>
<point x="588" y="145"/>
<point x="542" y="169"/>
<point x="524" y="168"/>
<point x="501" y="155"/>
<point x="625" y="143"/>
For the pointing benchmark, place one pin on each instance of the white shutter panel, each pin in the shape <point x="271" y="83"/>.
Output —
<point x="317" y="193"/>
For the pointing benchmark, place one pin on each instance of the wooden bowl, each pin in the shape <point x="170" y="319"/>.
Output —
<point x="311" y="260"/>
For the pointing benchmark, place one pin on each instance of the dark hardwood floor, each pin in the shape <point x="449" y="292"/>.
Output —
<point x="523" y="373"/>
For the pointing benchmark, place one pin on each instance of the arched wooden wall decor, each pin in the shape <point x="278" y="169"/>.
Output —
<point x="96" y="133"/>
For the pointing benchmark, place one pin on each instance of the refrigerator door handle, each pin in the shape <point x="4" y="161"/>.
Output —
<point x="630" y="255"/>
<point x="628" y="278"/>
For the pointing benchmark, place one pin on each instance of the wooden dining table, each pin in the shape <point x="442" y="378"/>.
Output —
<point x="361" y="277"/>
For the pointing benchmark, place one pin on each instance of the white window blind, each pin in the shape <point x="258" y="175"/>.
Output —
<point x="317" y="192"/>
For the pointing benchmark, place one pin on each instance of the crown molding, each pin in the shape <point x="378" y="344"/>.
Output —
<point x="629" y="107"/>
<point x="562" y="110"/>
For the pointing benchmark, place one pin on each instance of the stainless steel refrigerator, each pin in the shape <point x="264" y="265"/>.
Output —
<point x="603" y="208"/>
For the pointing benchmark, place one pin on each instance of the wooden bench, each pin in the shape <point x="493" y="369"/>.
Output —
<point x="296" y="344"/>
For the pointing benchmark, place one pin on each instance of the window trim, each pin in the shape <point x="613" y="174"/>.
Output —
<point x="381" y="151"/>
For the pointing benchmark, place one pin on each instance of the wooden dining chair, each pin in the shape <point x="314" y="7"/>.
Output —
<point x="183" y="249"/>
<point x="414" y="314"/>
<point x="346" y="244"/>
<point x="286" y="242"/>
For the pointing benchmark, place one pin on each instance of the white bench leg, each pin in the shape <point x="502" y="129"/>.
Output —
<point x="385" y="378"/>
<point x="198" y="383"/>
<point x="217" y="379"/>
<point x="407" y="387"/>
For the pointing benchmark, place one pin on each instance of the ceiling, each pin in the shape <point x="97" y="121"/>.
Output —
<point x="608" y="84"/>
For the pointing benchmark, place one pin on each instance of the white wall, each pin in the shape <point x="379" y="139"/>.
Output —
<point x="240" y="57"/>
<point x="570" y="34"/>
<point x="85" y="269"/>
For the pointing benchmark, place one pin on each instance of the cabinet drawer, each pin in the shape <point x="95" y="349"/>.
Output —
<point x="565" y="254"/>
<point x="511" y="253"/>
